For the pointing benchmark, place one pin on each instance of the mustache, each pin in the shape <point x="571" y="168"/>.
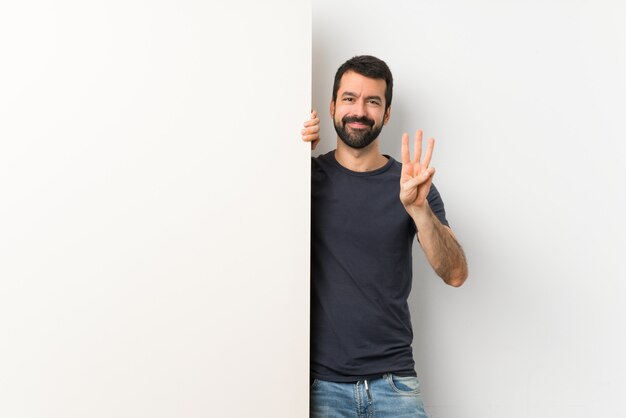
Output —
<point x="362" y="119"/>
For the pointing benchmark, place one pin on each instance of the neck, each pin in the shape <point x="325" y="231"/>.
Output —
<point x="360" y="160"/>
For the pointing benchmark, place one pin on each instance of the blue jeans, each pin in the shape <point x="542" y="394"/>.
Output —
<point x="389" y="396"/>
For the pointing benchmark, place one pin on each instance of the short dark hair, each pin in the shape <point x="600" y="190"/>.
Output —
<point x="367" y="66"/>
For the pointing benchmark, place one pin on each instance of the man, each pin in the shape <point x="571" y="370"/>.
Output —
<point x="366" y="211"/>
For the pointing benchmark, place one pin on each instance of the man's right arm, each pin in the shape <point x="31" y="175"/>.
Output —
<point x="311" y="131"/>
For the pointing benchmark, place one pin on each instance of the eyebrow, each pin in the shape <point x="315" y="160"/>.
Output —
<point x="351" y="94"/>
<point x="374" y="97"/>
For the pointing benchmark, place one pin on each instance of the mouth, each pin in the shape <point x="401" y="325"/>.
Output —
<point x="358" y="123"/>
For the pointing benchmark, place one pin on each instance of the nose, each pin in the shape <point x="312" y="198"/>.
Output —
<point x="359" y="108"/>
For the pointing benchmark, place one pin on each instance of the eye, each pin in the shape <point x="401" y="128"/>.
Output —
<point x="348" y="99"/>
<point x="375" y="102"/>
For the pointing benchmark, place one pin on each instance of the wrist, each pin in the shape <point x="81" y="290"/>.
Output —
<point x="423" y="217"/>
<point x="419" y="211"/>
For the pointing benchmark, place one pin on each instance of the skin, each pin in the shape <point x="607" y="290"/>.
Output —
<point x="362" y="97"/>
<point x="440" y="245"/>
<point x="365" y="97"/>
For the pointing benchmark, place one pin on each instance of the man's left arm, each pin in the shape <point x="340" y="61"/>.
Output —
<point x="443" y="251"/>
<point x="438" y="241"/>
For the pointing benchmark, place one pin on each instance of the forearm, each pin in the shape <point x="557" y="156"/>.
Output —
<point x="440" y="246"/>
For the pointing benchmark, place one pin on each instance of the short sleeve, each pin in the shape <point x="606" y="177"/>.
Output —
<point x="436" y="205"/>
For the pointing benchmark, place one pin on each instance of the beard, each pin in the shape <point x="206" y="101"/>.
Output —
<point x="357" y="138"/>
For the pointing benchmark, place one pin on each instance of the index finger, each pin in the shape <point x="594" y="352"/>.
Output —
<point x="406" y="157"/>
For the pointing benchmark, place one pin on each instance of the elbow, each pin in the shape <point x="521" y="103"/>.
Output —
<point x="456" y="278"/>
<point x="456" y="281"/>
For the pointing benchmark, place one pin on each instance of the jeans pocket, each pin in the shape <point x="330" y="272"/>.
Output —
<point x="406" y="385"/>
<point x="314" y="383"/>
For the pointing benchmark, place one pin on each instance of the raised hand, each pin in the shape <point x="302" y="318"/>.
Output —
<point x="416" y="176"/>
<point x="311" y="131"/>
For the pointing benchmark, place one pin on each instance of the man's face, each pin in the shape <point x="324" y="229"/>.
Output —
<point x="359" y="112"/>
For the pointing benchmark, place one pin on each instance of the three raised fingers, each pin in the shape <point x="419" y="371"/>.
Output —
<point x="417" y="151"/>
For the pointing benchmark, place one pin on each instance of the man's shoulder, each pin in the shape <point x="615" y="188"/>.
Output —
<point x="323" y="161"/>
<point x="324" y="157"/>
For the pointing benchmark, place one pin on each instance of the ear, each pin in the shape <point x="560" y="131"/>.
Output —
<point x="387" y="116"/>
<point x="332" y="108"/>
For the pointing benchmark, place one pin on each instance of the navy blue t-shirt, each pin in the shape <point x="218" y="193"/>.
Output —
<point x="361" y="270"/>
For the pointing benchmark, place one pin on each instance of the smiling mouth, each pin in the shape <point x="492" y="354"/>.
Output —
<point x="358" y="125"/>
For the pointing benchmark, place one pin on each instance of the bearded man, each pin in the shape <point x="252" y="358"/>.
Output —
<point x="366" y="210"/>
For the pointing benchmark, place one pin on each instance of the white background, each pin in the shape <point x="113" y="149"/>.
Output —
<point x="155" y="209"/>
<point x="526" y="101"/>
